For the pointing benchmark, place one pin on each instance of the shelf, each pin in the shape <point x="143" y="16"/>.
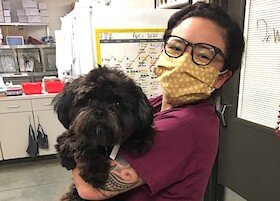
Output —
<point x="26" y="46"/>
<point x="22" y="24"/>
<point x="27" y="74"/>
<point x="176" y="4"/>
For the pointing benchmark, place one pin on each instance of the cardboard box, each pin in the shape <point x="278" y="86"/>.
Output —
<point x="44" y="13"/>
<point x="42" y="6"/>
<point x="45" y="19"/>
<point x="7" y="13"/>
<point x="15" y="31"/>
<point x="23" y="19"/>
<point x="7" y="19"/>
<point x="21" y="12"/>
<point x="6" y="5"/>
<point x="32" y="11"/>
<point x="34" y="19"/>
<point x="2" y="18"/>
<point x="29" y="4"/>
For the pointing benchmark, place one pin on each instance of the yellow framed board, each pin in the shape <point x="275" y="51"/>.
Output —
<point x="134" y="51"/>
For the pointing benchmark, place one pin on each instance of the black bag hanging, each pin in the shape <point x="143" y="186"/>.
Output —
<point x="32" y="148"/>
<point x="42" y="138"/>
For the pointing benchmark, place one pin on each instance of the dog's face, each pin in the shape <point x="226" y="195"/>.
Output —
<point x="105" y="107"/>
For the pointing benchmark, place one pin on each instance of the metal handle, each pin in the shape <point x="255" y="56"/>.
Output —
<point x="13" y="106"/>
<point x="222" y="112"/>
<point x="47" y="104"/>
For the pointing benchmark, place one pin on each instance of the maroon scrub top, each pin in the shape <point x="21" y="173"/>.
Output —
<point x="178" y="165"/>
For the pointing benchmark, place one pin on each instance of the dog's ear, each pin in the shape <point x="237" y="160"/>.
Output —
<point x="142" y="138"/>
<point x="62" y="103"/>
<point x="145" y="110"/>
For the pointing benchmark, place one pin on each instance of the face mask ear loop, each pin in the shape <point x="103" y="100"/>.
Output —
<point x="213" y="89"/>
<point x="220" y="73"/>
<point x="223" y="72"/>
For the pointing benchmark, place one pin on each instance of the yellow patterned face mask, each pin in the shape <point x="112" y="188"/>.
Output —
<point x="183" y="81"/>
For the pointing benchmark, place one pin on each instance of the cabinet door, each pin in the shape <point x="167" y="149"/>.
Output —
<point x="1" y="157"/>
<point x="51" y="126"/>
<point x="14" y="134"/>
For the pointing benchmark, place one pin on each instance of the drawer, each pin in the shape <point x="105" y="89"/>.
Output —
<point x="15" y="106"/>
<point x="42" y="104"/>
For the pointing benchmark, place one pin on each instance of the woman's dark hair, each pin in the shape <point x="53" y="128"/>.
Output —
<point x="233" y="35"/>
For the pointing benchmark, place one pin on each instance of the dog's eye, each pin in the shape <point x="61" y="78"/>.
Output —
<point x="115" y="105"/>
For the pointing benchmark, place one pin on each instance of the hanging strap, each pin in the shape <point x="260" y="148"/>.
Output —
<point x="42" y="138"/>
<point x="32" y="132"/>
<point x="40" y="128"/>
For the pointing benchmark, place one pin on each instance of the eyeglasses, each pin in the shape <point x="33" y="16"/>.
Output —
<point x="202" y="53"/>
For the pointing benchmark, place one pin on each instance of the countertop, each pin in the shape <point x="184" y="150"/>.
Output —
<point x="32" y="96"/>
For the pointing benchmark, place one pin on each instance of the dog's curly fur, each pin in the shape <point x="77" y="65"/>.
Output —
<point x="102" y="109"/>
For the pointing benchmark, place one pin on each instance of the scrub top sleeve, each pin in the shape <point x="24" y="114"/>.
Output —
<point x="170" y="156"/>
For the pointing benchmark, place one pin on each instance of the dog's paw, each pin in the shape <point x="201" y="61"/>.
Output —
<point x="96" y="178"/>
<point x="94" y="169"/>
<point x="69" y="164"/>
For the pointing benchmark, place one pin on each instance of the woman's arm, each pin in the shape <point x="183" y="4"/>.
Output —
<point x="122" y="177"/>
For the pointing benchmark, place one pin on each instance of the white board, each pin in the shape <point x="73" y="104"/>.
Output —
<point x="132" y="41"/>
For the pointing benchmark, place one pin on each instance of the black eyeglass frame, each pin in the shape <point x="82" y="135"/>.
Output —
<point x="193" y="45"/>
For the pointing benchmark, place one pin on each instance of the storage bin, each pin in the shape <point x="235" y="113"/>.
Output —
<point x="32" y="87"/>
<point x="54" y="86"/>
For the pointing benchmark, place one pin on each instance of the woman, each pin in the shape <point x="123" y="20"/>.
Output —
<point x="203" y="48"/>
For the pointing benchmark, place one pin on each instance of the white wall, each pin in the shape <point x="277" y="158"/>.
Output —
<point x="133" y="3"/>
<point x="56" y="9"/>
<point x="59" y="8"/>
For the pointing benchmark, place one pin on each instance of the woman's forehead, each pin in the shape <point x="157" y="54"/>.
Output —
<point x="201" y="30"/>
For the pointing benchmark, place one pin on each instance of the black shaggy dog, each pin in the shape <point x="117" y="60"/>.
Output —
<point x="102" y="109"/>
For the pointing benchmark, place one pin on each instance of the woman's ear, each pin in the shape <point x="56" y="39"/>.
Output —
<point x="222" y="79"/>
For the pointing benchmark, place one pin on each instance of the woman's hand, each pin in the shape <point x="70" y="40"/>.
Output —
<point x="85" y="190"/>
<point x="122" y="177"/>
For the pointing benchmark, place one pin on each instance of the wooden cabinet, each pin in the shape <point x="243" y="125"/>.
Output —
<point x="44" y="114"/>
<point x="15" y="117"/>
<point x="1" y="157"/>
<point x="14" y="134"/>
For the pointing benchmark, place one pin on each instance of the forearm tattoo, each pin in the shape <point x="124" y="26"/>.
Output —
<point x="121" y="177"/>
